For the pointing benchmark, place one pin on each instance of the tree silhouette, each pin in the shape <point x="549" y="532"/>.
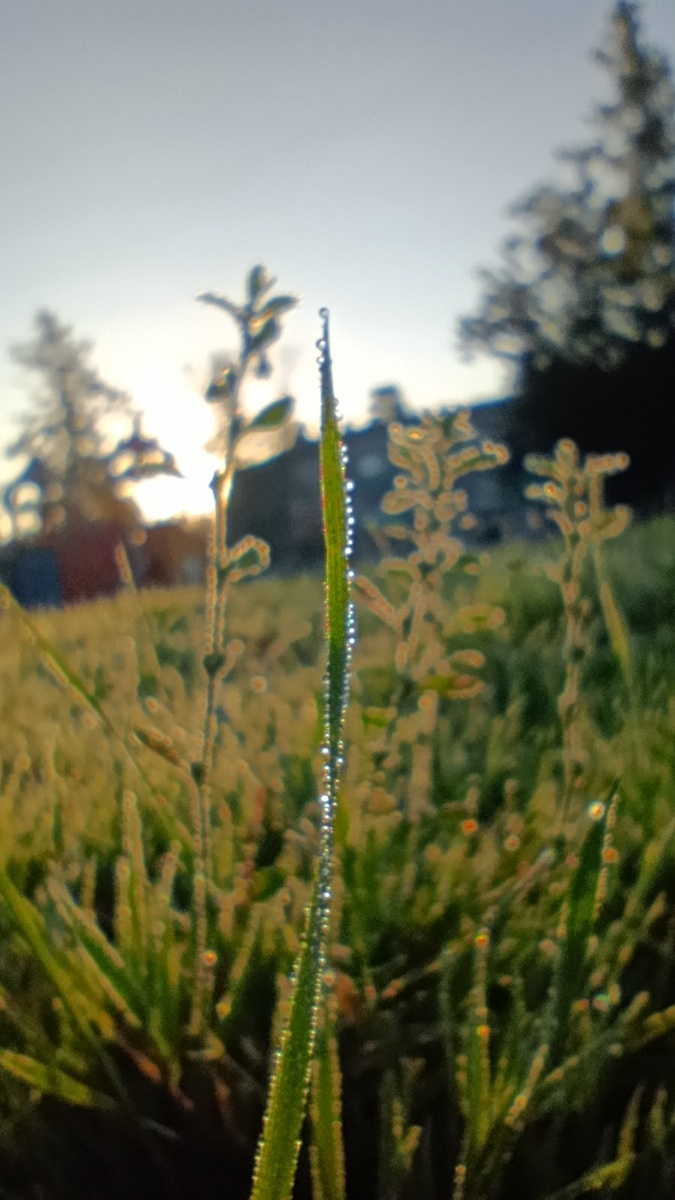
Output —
<point x="584" y="305"/>
<point x="69" y="476"/>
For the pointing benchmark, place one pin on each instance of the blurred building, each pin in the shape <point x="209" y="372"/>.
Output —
<point x="278" y="501"/>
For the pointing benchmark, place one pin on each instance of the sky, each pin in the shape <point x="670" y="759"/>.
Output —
<point x="365" y="151"/>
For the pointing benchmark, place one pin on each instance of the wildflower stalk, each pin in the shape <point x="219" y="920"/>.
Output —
<point x="573" y="490"/>
<point x="575" y="648"/>
<point x="214" y="660"/>
<point x="279" y="1147"/>
<point x="614" y="621"/>
<point x="216" y="627"/>
<point x="433" y="455"/>
<point x="258" y="321"/>
<point x="258" y="326"/>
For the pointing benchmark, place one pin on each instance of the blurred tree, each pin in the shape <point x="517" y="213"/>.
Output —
<point x="63" y="438"/>
<point x="584" y="305"/>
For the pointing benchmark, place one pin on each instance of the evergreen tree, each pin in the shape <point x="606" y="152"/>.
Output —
<point x="584" y="305"/>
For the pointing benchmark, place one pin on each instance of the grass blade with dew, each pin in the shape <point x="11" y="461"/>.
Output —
<point x="326" y="1149"/>
<point x="278" y="1151"/>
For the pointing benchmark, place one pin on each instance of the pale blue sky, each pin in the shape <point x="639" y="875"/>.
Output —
<point x="365" y="152"/>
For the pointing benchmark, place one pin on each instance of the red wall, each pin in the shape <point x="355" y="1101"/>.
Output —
<point x="86" y="560"/>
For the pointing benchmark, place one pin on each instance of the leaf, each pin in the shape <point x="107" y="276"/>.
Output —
<point x="612" y="1175"/>
<point x="399" y="533"/>
<point x="616" y="628"/>
<point x="148" y="685"/>
<point x="223" y="386"/>
<point x="326" y="1147"/>
<point x="274" y="308"/>
<point x="219" y="301"/>
<point x="60" y="667"/>
<point x="257" y="283"/>
<point x="273" y="416"/>
<point x="166" y="973"/>
<point x="478" y="1070"/>
<point x="98" y="958"/>
<point x="278" y="1151"/>
<point x="267" y="333"/>
<point x="455" y="686"/>
<point x="393" y="565"/>
<point x="132" y="832"/>
<point x="250" y="556"/>
<point x="161" y="745"/>
<point x="388" y="1164"/>
<point x="265" y="882"/>
<point x="51" y="1081"/>
<point x="539" y="464"/>
<point x="656" y="1025"/>
<point x="571" y="970"/>
<point x="338" y="551"/>
<point x="401" y="501"/>
<point x="472" y="618"/>
<point x="102" y="688"/>
<point x="229" y="1006"/>
<point x="376" y="601"/>
<point x="31" y="925"/>
<point x="457" y="426"/>
<point x="277" y="1155"/>
<point x="398" y="1141"/>
<point x="374" y="718"/>
<point x="253" y="448"/>
<point x="55" y="966"/>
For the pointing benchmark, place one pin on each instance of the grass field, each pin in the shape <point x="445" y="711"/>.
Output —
<point x="437" y="923"/>
<point x="498" y="976"/>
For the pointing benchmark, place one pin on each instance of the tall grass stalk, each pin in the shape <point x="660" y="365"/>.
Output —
<point x="279" y="1148"/>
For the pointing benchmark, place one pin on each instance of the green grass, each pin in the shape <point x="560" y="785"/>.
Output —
<point x="411" y="895"/>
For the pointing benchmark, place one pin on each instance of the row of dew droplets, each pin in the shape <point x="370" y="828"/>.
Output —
<point x="341" y="633"/>
<point x="279" y="1148"/>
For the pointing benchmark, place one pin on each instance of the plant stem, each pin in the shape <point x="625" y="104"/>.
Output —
<point x="214" y="653"/>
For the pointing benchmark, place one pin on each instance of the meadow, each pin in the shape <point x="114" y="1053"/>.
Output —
<point x="486" y="990"/>
<point x="458" y="893"/>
